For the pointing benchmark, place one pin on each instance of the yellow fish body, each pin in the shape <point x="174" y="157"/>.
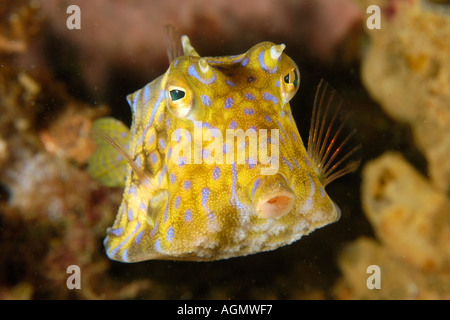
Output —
<point x="195" y="191"/>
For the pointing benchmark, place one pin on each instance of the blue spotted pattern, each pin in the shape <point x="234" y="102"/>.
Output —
<point x="216" y="173"/>
<point x="249" y="111"/>
<point x="186" y="184"/>
<point x="249" y="96"/>
<point x="206" y="100"/>
<point x="193" y="72"/>
<point x="170" y="234"/>
<point x="187" y="215"/>
<point x="228" y="103"/>
<point x="268" y="97"/>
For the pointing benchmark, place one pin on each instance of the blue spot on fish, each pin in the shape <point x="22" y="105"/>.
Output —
<point x="186" y="184"/>
<point x="216" y="173"/>
<point x="154" y="229"/>
<point x="165" y="211"/>
<point x="187" y="215"/>
<point x="205" y="196"/>
<point x="158" y="245"/>
<point x="206" y="100"/>
<point x="170" y="234"/>
<point x="153" y="157"/>
<point x="151" y="138"/>
<point x="263" y="65"/>
<point x="143" y="206"/>
<point x="286" y="162"/>
<point x="177" y="202"/>
<point x="228" y="103"/>
<point x="295" y="162"/>
<point x="125" y="255"/>
<point x="249" y="96"/>
<point x="132" y="190"/>
<point x="293" y="136"/>
<point x="117" y="232"/>
<point x="322" y="192"/>
<point x="138" y="237"/>
<point x="251" y="162"/>
<point x="162" y="144"/>
<point x="113" y="251"/>
<point x="268" y="97"/>
<point x="256" y="184"/>
<point x="249" y="111"/>
<point x="230" y="83"/>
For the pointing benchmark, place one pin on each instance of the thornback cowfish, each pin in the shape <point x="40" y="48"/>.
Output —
<point x="214" y="166"/>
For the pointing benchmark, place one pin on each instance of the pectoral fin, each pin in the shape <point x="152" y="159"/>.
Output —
<point x="107" y="165"/>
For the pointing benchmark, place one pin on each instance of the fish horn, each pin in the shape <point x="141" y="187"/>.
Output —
<point x="271" y="196"/>
<point x="188" y="49"/>
<point x="203" y="72"/>
<point x="268" y="59"/>
<point x="204" y="67"/>
<point x="276" y="51"/>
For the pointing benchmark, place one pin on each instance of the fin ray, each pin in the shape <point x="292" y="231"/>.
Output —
<point x="326" y="139"/>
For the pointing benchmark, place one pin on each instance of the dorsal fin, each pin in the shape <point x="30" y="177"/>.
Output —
<point x="172" y="40"/>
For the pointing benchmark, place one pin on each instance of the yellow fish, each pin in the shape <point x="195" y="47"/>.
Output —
<point x="213" y="165"/>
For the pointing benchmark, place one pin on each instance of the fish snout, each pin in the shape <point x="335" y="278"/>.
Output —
<point x="271" y="196"/>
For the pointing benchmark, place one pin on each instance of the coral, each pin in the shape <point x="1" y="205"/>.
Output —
<point x="407" y="70"/>
<point x="398" y="279"/>
<point x="52" y="214"/>
<point x="69" y="135"/>
<point x="410" y="216"/>
<point x="411" y="220"/>
<point x="19" y="23"/>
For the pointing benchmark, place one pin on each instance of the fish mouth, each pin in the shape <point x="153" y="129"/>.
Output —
<point x="271" y="196"/>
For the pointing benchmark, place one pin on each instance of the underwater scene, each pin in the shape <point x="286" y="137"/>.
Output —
<point x="225" y="150"/>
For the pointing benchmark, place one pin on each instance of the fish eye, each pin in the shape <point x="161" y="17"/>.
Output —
<point x="177" y="94"/>
<point x="291" y="78"/>
<point x="289" y="83"/>
<point x="179" y="99"/>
